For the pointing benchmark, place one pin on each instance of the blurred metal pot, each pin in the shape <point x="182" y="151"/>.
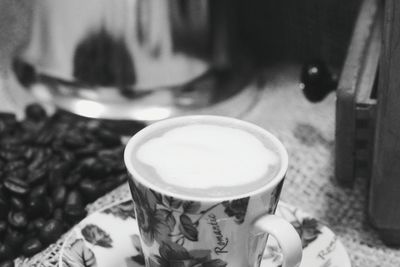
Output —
<point x="136" y="59"/>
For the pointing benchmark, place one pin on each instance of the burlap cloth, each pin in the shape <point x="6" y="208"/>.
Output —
<point x="307" y="130"/>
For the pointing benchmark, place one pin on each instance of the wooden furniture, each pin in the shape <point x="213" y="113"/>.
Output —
<point x="368" y="114"/>
<point x="355" y="108"/>
<point x="384" y="196"/>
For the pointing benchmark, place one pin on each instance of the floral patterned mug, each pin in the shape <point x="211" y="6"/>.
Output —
<point x="204" y="232"/>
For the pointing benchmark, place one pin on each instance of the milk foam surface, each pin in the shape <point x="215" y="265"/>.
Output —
<point x="205" y="156"/>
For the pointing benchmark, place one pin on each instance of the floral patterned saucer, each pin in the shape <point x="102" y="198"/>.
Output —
<point x="110" y="237"/>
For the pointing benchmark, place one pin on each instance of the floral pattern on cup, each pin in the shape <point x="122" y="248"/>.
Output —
<point x="162" y="218"/>
<point x="79" y="252"/>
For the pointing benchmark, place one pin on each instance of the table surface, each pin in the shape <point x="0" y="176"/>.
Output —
<point x="306" y="129"/>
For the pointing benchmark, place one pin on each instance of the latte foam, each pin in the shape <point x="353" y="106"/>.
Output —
<point x="207" y="156"/>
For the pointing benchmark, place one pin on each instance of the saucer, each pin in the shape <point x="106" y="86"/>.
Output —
<point x="110" y="237"/>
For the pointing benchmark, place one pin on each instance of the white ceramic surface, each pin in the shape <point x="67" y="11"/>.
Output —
<point x="110" y="237"/>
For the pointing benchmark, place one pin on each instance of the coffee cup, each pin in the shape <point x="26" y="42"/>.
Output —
<point x="205" y="190"/>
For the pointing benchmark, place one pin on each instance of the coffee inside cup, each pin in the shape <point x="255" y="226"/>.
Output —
<point x="206" y="157"/>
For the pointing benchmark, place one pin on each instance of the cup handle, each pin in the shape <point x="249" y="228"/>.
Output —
<point x="287" y="237"/>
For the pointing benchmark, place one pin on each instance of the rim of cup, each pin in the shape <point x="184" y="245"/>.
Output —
<point x="136" y="139"/>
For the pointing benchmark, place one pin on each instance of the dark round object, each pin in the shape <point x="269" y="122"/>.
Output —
<point x="36" y="206"/>
<point x="39" y="223"/>
<point x="74" y="214"/>
<point x="74" y="140"/>
<point x="14" y="239"/>
<point x="17" y="204"/>
<point x="112" y="182"/>
<point x="74" y="198"/>
<point x="38" y="191"/>
<point x="316" y="80"/>
<point x="17" y="220"/>
<point x="51" y="231"/>
<point x="58" y="214"/>
<point x="35" y="112"/>
<point x="49" y="208"/>
<point x="37" y="176"/>
<point x="24" y="72"/>
<point x="5" y="252"/>
<point x="8" y="263"/>
<point x="3" y="207"/>
<point x="72" y="179"/>
<point x="108" y="138"/>
<point x="90" y="189"/>
<point x="30" y="228"/>
<point x="59" y="195"/>
<point x="3" y="228"/>
<point x="16" y="186"/>
<point x="31" y="247"/>
<point x="74" y="210"/>
<point x="93" y="167"/>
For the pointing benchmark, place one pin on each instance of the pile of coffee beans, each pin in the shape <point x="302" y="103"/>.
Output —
<point x="50" y="168"/>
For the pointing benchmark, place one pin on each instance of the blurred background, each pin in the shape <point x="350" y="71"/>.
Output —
<point x="276" y="63"/>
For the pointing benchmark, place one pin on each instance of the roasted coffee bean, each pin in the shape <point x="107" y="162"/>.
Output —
<point x="7" y="116"/>
<point x="14" y="165"/>
<point x="30" y="229"/>
<point x="115" y="153"/>
<point x="16" y="186"/>
<point x="36" y="206"/>
<point x="51" y="231"/>
<point x="31" y="247"/>
<point x="61" y="169"/>
<point x="49" y="208"/>
<point x="35" y="112"/>
<point x="6" y="252"/>
<point x="4" y="205"/>
<point x="117" y="166"/>
<point x="74" y="140"/>
<point x="108" y="138"/>
<point x="8" y="263"/>
<point x="58" y="214"/>
<point x="39" y="223"/>
<point x="59" y="195"/>
<point x="14" y="238"/>
<point x="90" y="189"/>
<point x="3" y="127"/>
<point x="44" y="137"/>
<point x="19" y="173"/>
<point x="39" y="207"/>
<point x="9" y="155"/>
<point x="54" y="179"/>
<point x="18" y="219"/>
<point x="94" y="168"/>
<point x="29" y="153"/>
<point x="74" y="214"/>
<point x="72" y="179"/>
<point x="30" y="128"/>
<point x="10" y="143"/>
<point x="41" y="159"/>
<point x="37" y="191"/>
<point x="37" y="176"/>
<point x="88" y="150"/>
<point x="67" y="156"/>
<point x="112" y="182"/>
<point x="74" y="209"/>
<point x="74" y="198"/>
<point x="17" y="204"/>
<point x="3" y="228"/>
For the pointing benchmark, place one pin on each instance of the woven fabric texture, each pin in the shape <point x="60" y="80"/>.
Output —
<point x="307" y="130"/>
